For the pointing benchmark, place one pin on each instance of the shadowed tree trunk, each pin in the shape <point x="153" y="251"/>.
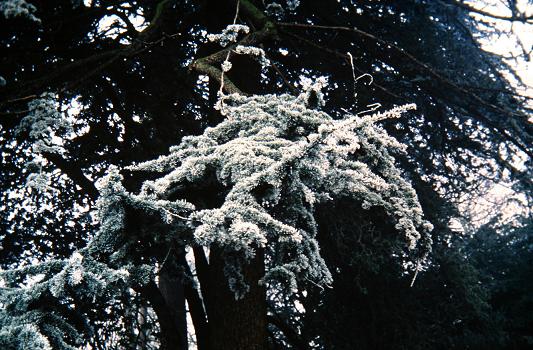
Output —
<point x="231" y="324"/>
<point x="237" y="324"/>
<point x="172" y="290"/>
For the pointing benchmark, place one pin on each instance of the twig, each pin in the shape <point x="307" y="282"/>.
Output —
<point x="518" y="18"/>
<point x="164" y="260"/>
<point x="226" y="60"/>
<point x="283" y="77"/>
<point x="344" y="56"/>
<point x="415" y="275"/>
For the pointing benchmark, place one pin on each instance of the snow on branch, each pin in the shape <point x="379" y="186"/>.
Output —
<point x="34" y="314"/>
<point x="18" y="8"/>
<point x="229" y="34"/>
<point x="278" y="158"/>
<point x="274" y="158"/>
<point x="254" y="52"/>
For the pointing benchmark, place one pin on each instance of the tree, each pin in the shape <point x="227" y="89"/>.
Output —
<point x="265" y="177"/>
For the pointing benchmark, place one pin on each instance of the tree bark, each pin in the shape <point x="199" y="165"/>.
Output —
<point x="196" y="309"/>
<point x="236" y="324"/>
<point x="172" y="289"/>
<point x="170" y="338"/>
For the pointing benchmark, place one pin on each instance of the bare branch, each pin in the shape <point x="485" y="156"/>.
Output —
<point x="212" y="72"/>
<point x="75" y="173"/>
<point x="515" y="17"/>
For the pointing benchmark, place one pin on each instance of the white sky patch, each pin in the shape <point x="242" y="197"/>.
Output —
<point x="515" y="42"/>
<point x="498" y="200"/>
<point x="138" y="21"/>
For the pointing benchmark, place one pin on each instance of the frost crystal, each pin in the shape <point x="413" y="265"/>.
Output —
<point x="253" y="51"/>
<point x="313" y="89"/>
<point x="29" y="335"/>
<point x="293" y="4"/>
<point x="76" y="276"/>
<point x="18" y="8"/>
<point x="226" y="66"/>
<point x="277" y="158"/>
<point x="229" y="34"/>
<point x="276" y="8"/>
<point x="43" y="123"/>
<point x="38" y="181"/>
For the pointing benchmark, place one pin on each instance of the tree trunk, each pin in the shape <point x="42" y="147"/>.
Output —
<point x="170" y="338"/>
<point x="172" y="290"/>
<point x="141" y="320"/>
<point x="231" y="324"/>
<point x="235" y="324"/>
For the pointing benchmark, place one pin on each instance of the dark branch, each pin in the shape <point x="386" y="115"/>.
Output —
<point x="164" y="315"/>
<point x="343" y="56"/>
<point x="208" y="65"/>
<point x="514" y="17"/>
<point x="292" y="336"/>
<point x="75" y="173"/>
<point x="146" y="39"/>
<point x="196" y="308"/>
